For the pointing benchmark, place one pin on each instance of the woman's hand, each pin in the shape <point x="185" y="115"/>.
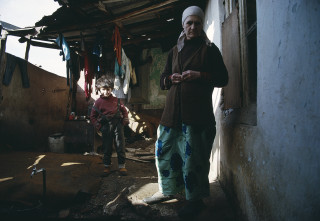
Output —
<point x="185" y="76"/>
<point x="176" y="78"/>
<point x="190" y="75"/>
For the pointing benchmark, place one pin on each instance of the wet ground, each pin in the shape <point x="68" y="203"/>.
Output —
<point x="73" y="187"/>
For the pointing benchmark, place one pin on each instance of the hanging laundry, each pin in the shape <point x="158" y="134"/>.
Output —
<point x="119" y="92"/>
<point x="97" y="50"/>
<point x="97" y="47"/>
<point x="11" y="63"/>
<point x="62" y="43"/>
<point x="118" y="71"/>
<point x="88" y="75"/>
<point x="132" y="74"/>
<point x="116" y="40"/>
<point x="117" y="83"/>
<point x="126" y="70"/>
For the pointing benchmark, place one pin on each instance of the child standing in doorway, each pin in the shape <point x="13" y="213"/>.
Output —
<point x="109" y="116"/>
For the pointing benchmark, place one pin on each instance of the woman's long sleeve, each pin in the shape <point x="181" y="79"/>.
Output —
<point x="218" y="73"/>
<point x="165" y="81"/>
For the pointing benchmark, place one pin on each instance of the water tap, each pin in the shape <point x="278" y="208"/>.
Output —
<point x="35" y="171"/>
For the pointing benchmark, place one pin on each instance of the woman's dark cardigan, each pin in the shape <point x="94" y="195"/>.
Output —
<point x="191" y="102"/>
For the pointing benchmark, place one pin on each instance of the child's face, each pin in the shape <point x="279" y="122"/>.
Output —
<point x="105" y="91"/>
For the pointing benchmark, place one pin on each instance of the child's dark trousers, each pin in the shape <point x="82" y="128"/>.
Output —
<point x="113" y="131"/>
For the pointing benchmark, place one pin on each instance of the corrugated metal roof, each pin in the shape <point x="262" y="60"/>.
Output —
<point x="142" y="23"/>
<point x="7" y="26"/>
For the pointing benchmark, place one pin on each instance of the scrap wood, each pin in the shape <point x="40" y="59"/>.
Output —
<point x="130" y="156"/>
<point x="136" y="159"/>
<point x="131" y="150"/>
<point x="146" y="157"/>
<point x="143" y="153"/>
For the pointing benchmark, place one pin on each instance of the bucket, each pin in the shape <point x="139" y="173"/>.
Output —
<point x="56" y="143"/>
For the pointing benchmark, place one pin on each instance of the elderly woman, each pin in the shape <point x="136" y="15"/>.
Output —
<point x="187" y="127"/>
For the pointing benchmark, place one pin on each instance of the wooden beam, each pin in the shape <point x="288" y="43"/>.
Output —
<point x="26" y="56"/>
<point x="152" y="36"/>
<point x="44" y="45"/>
<point x="3" y="58"/>
<point x="112" y="1"/>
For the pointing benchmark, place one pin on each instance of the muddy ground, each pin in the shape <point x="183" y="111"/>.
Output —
<point x="80" y="191"/>
<point x="120" y="197"/>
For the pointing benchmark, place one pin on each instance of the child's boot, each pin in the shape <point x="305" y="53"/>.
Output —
<point x="123" y="171"/>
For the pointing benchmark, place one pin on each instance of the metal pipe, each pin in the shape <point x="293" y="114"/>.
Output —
<point x="44" y="177"/>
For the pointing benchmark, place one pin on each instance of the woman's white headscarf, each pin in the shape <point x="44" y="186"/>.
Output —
<point x="192" y="10"/>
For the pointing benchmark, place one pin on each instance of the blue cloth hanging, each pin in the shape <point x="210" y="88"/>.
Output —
<point x="62" y="43"/>
<point x="12" y="61"/>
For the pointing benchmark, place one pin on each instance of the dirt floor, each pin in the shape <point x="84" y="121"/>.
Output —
<point x="74" y="188"/>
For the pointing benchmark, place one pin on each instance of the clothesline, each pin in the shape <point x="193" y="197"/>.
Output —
<point x="124" y="72"/>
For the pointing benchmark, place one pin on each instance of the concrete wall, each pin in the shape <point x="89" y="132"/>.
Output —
<point x="273" y="168"/>
<point x="28" y="116"/>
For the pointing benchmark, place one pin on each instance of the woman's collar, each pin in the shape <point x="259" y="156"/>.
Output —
<point x="182" y="38"/>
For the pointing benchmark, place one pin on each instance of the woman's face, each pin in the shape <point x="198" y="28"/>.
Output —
<point x="192" y="27"/>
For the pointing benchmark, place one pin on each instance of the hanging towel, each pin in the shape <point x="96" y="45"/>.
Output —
<point x="12" y="61"/>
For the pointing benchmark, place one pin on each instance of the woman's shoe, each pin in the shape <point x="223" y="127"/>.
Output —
<point x="158" y="197"/>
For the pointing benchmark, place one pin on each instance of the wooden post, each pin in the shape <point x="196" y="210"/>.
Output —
<point x="26" y="56"/>
<point x="3" y="41"/>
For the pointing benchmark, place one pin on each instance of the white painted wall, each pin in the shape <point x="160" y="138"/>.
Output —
<point x="288" y="104"/>
<point x="274" y="168"/>
<point x="214" y="16"/>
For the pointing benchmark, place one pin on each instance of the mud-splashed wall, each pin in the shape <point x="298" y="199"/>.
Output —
<point x="28" y="116"/>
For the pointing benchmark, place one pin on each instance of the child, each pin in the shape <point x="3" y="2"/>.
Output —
<point x="109" y="116"/>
